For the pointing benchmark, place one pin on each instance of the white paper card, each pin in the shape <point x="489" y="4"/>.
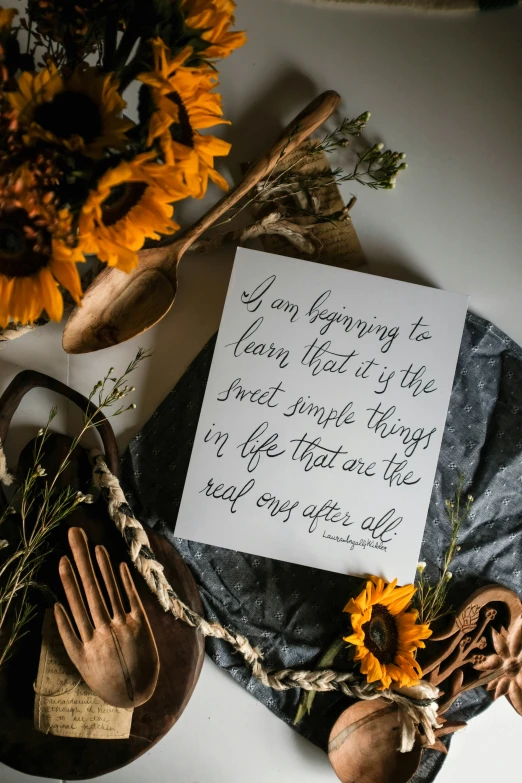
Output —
<point x="323" y="417"/>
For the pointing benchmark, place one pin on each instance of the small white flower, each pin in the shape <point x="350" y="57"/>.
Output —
<point x="421" y="566"/>
<point x="81" y="498"/>
<point x="471" y="498"/>
<point x="3" y="543"/>
<point x="449" y="576"/>
<point x="41" y="431"/>
<point x="40" y="471"/>
<point x="379" y="146"/>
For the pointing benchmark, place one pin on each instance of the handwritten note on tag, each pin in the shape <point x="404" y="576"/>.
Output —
<point x="64" y="705"/>
<point x="323" y="417"/>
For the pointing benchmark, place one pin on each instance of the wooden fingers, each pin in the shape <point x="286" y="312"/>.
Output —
<point x="130" y="589"/>
<point x="104" y="562"/>
<point x="72" y="644"/>
<point x="75" y="600"/>
<point x="80" y="549"/>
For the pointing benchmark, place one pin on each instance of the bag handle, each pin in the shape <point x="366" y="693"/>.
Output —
<point x="27" y="380"/>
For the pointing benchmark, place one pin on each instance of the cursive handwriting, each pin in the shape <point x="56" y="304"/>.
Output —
<point x="386" y="334"/>
<point x="413" y="379"/>
<point x="380" y="527"/>
<point x="329" y="511"/>
<point x="393" y="472"/>
<point x="314" y="358"/>
<point x="255" y="446"/>
<point x="381" y="422"/>
<point x="235" y="390"/>
<point x="259" y="349"/>
<point x="416" y="335"/>
<point x="319" y="413"/>
<point x="275" y="506"/>
<point x="230" y="493"/>
<point x="254" y="300"/>
<point x="218" y="438"/>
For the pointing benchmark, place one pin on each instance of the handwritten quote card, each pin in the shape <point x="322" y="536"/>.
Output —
<point x="323" y="417"/>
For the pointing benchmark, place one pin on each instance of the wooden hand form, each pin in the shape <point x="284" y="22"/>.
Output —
<point x="115" y="655"/>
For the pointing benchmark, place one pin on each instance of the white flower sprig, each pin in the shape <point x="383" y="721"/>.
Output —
<point x="431" y="599"/>
<point x="40" y="507"/>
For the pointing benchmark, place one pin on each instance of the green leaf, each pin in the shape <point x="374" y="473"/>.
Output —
<point x="325" y="662"/>
<point x="305" y="705"/>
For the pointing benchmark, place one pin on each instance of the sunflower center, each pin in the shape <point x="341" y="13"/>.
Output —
<point x="181" y="131"/>
<point x="121" y="200"/>
<point x="70" y="114"/>
<point x="380" y="634"/>
<point x="21" y="251"/>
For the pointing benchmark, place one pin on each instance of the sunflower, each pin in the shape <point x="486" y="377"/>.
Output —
<point x="82" y="112"/>
<point x="184" y="104"/>
<point x="385" y="634"/>
<point x="132" y="202"/>
<point x="214" y="17"/>
<point x="6" y="18"/>
<point x="36" y="253"/>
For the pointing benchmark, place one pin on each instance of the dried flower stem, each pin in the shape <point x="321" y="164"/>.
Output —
<point x="273" y="224"/>
<point x="430" y="600"/>
<point x="41" y="509"/>
<point x="375" y="168"/>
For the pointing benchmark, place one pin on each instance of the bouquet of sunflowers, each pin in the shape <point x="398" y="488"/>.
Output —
<point x="77" y="176"/>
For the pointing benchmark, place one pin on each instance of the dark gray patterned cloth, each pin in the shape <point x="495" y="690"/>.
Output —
<point x="294" y="613"/>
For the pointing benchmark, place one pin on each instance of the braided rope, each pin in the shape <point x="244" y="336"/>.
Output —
<point x="5" y="476"/>
<point x="416" y="704"/>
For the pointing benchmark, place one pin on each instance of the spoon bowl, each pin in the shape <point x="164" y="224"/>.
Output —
<point x="118" y="306"/>
<point x="116" y="301"/>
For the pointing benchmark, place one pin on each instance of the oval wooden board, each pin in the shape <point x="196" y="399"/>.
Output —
<point x="181" y="652"/>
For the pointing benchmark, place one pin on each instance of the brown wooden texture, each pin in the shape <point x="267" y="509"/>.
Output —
<point x="119" y="306"/>
<point x="466" y="641"/>
<point x="111" y="646"/>
<point x="363" y="745"/>
<point x="180" y="648"/>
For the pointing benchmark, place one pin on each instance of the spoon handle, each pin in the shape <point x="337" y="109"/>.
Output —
<point x="293" y="135"/>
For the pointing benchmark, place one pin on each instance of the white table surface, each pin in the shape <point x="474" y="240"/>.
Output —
<point x="446" y="90"/>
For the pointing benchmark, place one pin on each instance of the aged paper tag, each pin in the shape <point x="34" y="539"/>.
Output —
<point x="340" y="243"/>
<point x="64" y="705"/>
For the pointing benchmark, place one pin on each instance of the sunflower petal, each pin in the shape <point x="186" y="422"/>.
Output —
<point x="397" y="601"/>
<point x="67" y="275"/>
<point x="51" y="296"/>
<point x="354" y="638"/>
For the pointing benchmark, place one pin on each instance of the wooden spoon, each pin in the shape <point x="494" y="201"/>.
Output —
<point x="118" y="306"/>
